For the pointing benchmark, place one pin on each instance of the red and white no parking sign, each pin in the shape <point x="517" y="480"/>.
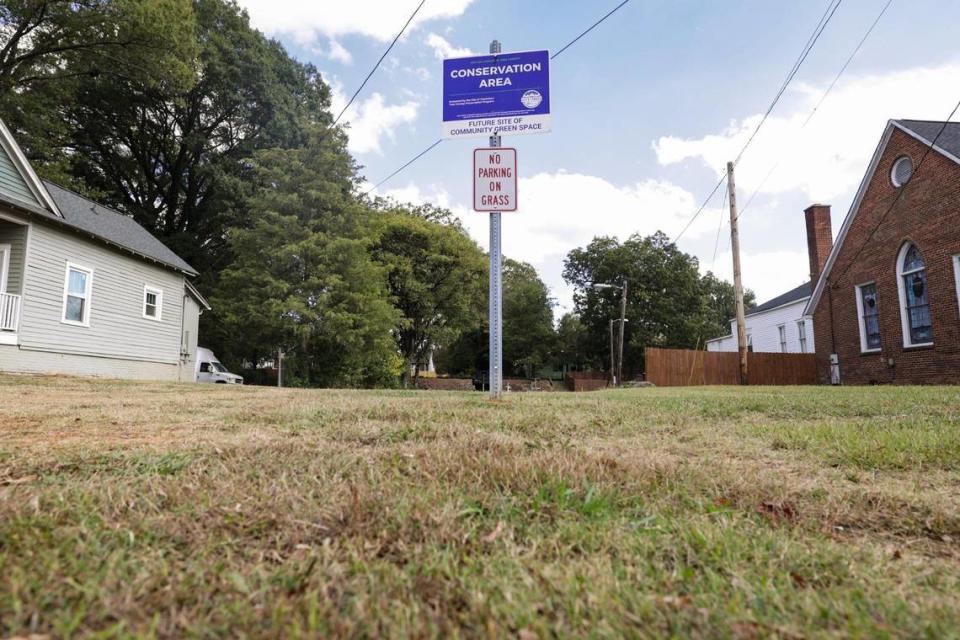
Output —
<point x="495" y="179"/>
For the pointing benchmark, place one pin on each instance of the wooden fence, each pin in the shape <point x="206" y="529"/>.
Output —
<point x="586" y="381"/>
<point x="684" y="368"/>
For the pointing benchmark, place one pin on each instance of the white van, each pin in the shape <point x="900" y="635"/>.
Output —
<point x="209" y="369"/>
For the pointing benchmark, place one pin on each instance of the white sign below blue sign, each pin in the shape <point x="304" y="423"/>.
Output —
<point x="505" y="93"/>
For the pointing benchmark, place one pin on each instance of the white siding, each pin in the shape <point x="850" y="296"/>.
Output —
<point x="14" y="235"/>
<point x="12" y="183"/>
<point x="726" y="343"/>
<point x="117" y="326"/>
<point x="764" y="327"/>
<point x="191" y="326"/>
<point x="16" y="360"/>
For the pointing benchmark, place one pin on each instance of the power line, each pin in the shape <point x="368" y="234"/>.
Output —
<point x="900" y="193"/>
<point x="562" y="49"/>
<point x="831" y="9"/>
<point x="376" y="66"/>
<point x="716" y="244"/>
<point x="702" y="207"/>
<point x="589" y="29"/>
<point x="410" y="162"/>
<point x="811" y="42"/>
<point x="820" y="102"/>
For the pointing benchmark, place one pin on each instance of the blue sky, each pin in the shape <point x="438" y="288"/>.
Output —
<point x="647" y="109"/>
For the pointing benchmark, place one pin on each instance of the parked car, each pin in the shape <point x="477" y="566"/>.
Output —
<point x="209" y="369"/>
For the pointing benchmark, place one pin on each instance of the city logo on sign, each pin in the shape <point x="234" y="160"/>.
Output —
<point x="531" y="99"/>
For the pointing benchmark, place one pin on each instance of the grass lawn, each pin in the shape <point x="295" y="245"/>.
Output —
<point x="159" y="510"/>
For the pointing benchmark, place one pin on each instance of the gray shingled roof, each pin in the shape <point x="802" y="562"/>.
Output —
<point x="928" y="129"/>
<point x="801" y="292"/>
<point x="111" y="226"/>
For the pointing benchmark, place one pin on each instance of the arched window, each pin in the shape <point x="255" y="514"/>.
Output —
<point x="914" y="297"/>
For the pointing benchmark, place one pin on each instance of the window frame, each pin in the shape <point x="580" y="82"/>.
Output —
<point x="802" y="334"/>
<point x="905" y="329"/>
<point x="147" y="289"/>
<point x="956" y="277"/>
<point x="893" y="171"/>
<point x="87" y="295"/>
<point x="861" y="316"/>
<point x="782" y="335"/>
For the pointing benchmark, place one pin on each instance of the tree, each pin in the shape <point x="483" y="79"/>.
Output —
<point x="175" y="155"/>
<point x="572" y="346"/>
<point x="301" y="277"/>
<point x="721" y="305"/>
<point x="50" y="48"/>
<point x="53" y="40"/>
<point x="669" y="304"/>
<point x="435" y="276"/>
<point x="528" y="334"/>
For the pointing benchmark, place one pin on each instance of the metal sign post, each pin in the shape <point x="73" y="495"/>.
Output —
<point x="496" y="285"/>
<point x="491" y="95"/>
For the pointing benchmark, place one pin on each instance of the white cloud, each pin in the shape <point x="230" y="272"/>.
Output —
<point x="442" y="49"/>
<point x="339" y="53"/>
<point x="371" y="120"/>
<point x="826" y="159"/>
<point x="767" y="273"/>
<point x="379" y="19"/>
<point x="562" y="211"/>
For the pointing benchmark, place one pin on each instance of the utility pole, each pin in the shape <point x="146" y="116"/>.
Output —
<point x="737" y="281"/>
<point x="496" y="285"/>
<point x="623" y="321"/>
<point x="279" y="367"/>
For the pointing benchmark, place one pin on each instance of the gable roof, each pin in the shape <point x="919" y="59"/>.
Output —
<point x="24" y="190"/>
<point x="17" y="178"/>
<point x="926" y="132"/>
<point x="114" y="228"/>
<point x="794" y="295"/>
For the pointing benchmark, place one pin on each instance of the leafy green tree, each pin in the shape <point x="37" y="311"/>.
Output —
<point x="176" y="155"/>
<point x="52" y="40"/>
<point x="301" y="277"/>
<point x="572" y="348"/>
<point x="435" y="275"/>
<point x="528" y="335"/>
<point x="669" y="304"/>
<point x="49" y="49"/>
<point x="721" y="305"/>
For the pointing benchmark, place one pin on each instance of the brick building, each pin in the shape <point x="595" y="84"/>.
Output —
<point x="886" y="305"/>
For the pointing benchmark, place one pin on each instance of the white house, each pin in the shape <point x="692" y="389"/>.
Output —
<point x="85" y="290"/>
<point x="776" y="326"/>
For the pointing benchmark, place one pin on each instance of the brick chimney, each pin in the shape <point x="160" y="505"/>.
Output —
<point x="819" y="238"/>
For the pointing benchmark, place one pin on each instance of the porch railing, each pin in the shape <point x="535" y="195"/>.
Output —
<point x="9" y="312"/>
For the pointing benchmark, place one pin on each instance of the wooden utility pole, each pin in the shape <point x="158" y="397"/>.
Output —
<point x="737" y="281"/>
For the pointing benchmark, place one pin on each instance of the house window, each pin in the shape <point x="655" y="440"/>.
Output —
<point x="802" y="335"/>
<point x="783" y="338"/>
<point x="76" y="295"/>
<point x="869" y="317"/>
<point x="750" y="342"/>
<point x="901" y="172"/>
<point x="914" y="297"/>
<point x="956" y="276"/>
<point x="152" y="303"/>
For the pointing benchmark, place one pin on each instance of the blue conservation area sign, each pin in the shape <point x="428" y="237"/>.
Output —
<point x="506" y="93"/>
